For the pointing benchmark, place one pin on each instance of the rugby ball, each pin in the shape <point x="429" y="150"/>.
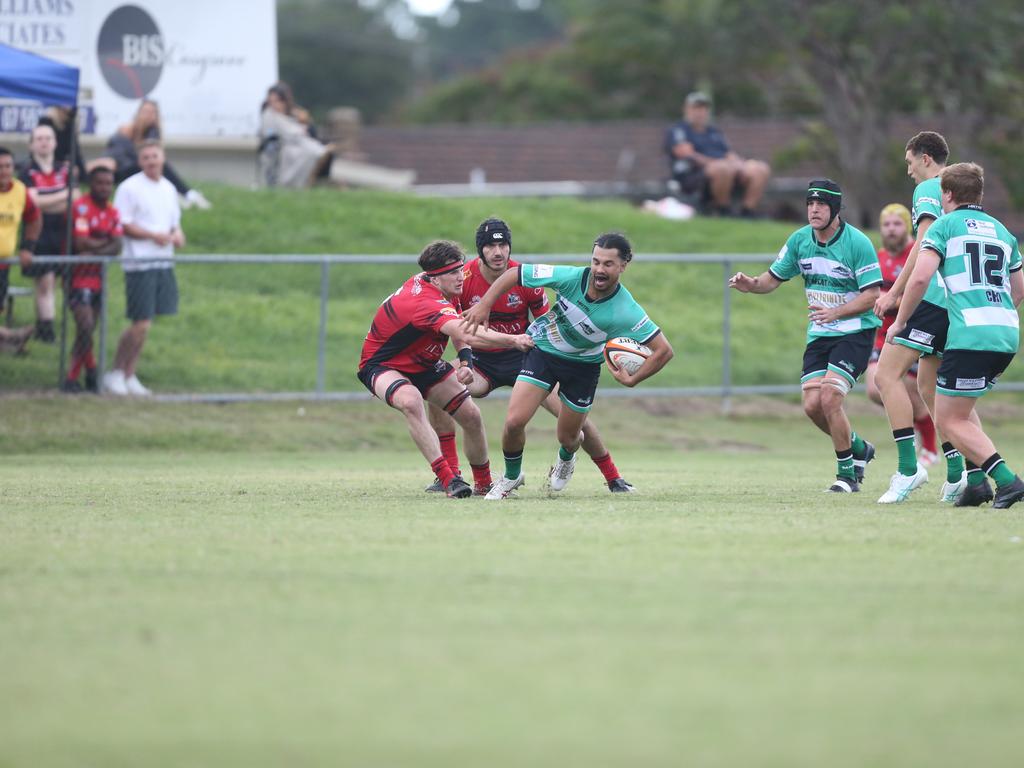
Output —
<point x="626" y="353"/>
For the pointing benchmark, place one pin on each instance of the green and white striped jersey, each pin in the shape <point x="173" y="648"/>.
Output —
<point x="834" y="273"/>
<point x="577" y="328"/>
<point x="928" y="205"/>
<point x="977" y="256"/>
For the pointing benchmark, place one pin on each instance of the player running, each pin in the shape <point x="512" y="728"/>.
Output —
<point x="591" y="307"/>
<point x="495" y="368"/>
<point x="894" y="225"/>
<point x="980" y="263"/>
<point x="923" y="337"/>
<point x="842" y="279"/>
<point x="401" y="361"/>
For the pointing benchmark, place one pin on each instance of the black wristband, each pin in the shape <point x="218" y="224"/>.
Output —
<point x="466" y="356"/>
<point x="28" y="245"/>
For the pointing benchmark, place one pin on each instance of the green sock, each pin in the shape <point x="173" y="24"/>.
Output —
<point x="563" y="454"/>
<point x="844" y="462"/>
<point x="954" y="463"/>
<point x="857" y="443"/>
<point x="996" y="468"/>
<point x="905" y="450"/>
<point x="974" y="474"/>
<point x="513" y="465"/>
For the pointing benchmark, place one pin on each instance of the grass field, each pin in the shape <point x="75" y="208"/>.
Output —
<point x="264" y="585"/>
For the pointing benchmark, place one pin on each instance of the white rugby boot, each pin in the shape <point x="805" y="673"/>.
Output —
<point x="951" y="492"/>
<point x="901" y="485"/>
<point x="561" y="473"/>
<point x="503" y="487"/>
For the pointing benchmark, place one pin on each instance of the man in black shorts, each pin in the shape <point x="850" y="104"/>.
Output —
<point x="500" y="367"/>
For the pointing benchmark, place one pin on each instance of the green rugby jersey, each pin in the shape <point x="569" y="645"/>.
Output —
<point x="928" y="205"/>
<point x="834" y="273"/>
<point x="977" y="256"/>
<point x="577" y="328"/>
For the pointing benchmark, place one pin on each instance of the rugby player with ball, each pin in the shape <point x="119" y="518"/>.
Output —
<point x="591" y="307"/>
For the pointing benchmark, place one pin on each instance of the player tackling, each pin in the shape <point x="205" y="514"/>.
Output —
<point x="591" y="307"/>
<point x="842" y="279"/>
<point x="495" y="368"/>
<point x="401" y="361"/>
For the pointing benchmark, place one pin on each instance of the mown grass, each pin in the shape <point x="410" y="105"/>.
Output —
<point x="251" y="585"/>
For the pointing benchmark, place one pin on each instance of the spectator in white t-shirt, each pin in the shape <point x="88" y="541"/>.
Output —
<point x="152" y="230"/>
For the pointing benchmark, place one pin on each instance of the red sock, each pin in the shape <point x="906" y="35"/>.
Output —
<point x="926" y="428"/>
<point x="481" y="474"/>
<point x="450" y="451"/>
<point x="76" y="368"/>
<point x="442" y="470"/>
<point x="90" y="361"/>
<point x="607" y="467"/>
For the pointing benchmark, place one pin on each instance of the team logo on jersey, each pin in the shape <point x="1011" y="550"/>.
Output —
<point x="841" y="271"/>
<point x="474" y="301"/>
<point x="513" y="300"/>
<point x="977" y="227"/>
<point x="417" y="287"/>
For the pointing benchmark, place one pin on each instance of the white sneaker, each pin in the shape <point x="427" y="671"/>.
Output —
<point x="901" y="485"/>
<point x="561" y="473"/>
<point x="135" y="387"/>
<point x="951" y="492"/>
<point x="503" y="487"/>
<point x="198" y="199"/>
<point x="927" y="458"/>
<point x="114" y="383"/>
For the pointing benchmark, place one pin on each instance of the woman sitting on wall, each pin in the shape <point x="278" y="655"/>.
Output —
<point x="298" y="159"/>
<point x="123" y="145"/>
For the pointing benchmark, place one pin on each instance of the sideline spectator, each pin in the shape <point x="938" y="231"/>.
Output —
<point x="47" y="181"/>
<point x="151" y="217"/>
<point x="98" y="232"/>
<point x="16" y="208"/>
<point x="59" y="118"/>
<point x="300" y="157"/>
<point x="702" y="162"/>
<point x="123" y="149"/>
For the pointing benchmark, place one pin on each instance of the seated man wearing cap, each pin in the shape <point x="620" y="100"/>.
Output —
<point x="701" y="161"/>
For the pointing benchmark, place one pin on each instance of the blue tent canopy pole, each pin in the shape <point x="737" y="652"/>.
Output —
<point x="27" y="76"/>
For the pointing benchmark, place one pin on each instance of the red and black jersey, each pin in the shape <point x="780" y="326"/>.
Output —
<point x="51" y="239"/>
<point x="511" y="312"/>
<point x="406" y="331"/>
<point x="99" y="223"/>
<point x="891" y="268"/>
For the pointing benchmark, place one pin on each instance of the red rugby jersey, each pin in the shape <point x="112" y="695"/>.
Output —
<point x="406" y="331"/>
<point x="93" y="221"/>
<point x="891" y="268"/>
<point x="511" y="312"/>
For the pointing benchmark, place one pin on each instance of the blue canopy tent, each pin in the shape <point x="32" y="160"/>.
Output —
<point x="25" y="75"/>
<point x="28" y="77"/>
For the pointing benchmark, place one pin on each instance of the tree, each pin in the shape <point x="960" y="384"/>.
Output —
<point x="340" y="52"/>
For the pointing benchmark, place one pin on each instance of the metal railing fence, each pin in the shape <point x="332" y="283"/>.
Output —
<point x="725" y="388"/>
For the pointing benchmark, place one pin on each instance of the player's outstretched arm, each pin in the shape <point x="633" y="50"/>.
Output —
<point x="485" y="337"/>
<point x="661" y="353"/>
<point x="478" y="314"/>
<point x="766" y="282"/>
<point x="916" y="285"/>
<point x="889" y="300"/>
<point x="1017" y="287"/>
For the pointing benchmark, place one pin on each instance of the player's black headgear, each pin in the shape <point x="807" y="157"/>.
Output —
<point x="829" y="193"/>
<point x="492" y="231"/>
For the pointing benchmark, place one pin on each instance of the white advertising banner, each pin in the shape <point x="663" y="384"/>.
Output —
<point x="207" y="63"/>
